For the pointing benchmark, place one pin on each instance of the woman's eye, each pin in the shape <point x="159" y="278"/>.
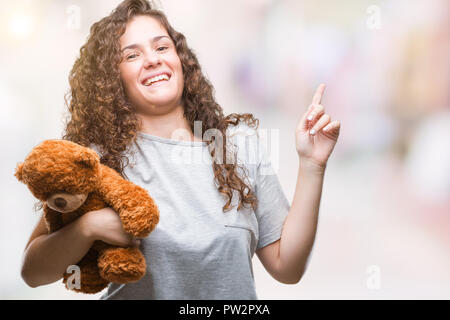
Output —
<point x="162" y="48"/>
<point x="131" y="56"/>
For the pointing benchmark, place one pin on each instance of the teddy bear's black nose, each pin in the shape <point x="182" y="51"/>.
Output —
<point x="60" y="203"/>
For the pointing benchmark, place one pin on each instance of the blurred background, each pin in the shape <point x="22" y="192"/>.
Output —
<point x="384" y="227"/>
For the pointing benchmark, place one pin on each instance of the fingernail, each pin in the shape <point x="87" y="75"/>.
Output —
<point x="313" y="131"/>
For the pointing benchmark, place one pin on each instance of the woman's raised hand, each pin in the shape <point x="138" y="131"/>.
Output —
<point x="316" y="135"/>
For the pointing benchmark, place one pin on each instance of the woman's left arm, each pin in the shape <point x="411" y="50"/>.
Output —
<point x="316" y="136"/>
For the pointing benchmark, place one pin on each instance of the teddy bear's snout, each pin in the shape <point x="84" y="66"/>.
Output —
<point x="60" y="203"/>
<point x="66" y="202"/>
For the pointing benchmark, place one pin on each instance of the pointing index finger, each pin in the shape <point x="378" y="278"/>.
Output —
<point x="317" y="99"/>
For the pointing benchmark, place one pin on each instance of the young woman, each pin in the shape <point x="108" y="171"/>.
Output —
<point x="137" y="85"/>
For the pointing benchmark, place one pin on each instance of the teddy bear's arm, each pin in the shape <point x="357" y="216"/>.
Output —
<point x="137" y="210"/>
<point x="52" y="218"/>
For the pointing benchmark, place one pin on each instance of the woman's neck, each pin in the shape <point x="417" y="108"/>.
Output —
<point x="165" y="125"/>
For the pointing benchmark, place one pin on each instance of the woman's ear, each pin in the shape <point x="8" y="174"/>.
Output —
<point x="18" y="173"/>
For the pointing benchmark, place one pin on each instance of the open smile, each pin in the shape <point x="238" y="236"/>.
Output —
<point x="154" y="81"/>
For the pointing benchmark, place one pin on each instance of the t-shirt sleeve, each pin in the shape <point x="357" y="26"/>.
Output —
<point x="273" y="206"/>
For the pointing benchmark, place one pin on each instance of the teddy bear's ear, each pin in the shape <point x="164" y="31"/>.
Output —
<point x="18" y="173"/>
<point x="87" y="159"/>
<point x="86" y="163"/>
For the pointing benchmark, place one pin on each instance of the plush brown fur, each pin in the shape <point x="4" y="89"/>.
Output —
<point x="59" y="166"/>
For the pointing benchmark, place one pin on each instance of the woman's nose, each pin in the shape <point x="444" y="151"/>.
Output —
<point x="151" y="59"/>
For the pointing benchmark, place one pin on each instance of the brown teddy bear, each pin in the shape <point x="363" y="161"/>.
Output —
<point x="70" y="181"/>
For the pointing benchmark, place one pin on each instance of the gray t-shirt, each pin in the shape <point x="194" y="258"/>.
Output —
<point x="197" y="251"/>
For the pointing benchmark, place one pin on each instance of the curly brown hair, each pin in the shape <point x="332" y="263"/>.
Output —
<point x="100" y="114"/>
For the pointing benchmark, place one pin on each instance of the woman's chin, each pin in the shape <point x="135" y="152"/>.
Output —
<point x="157" y="107"/>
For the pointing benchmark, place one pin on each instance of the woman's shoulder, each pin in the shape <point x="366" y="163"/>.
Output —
<point x="244" y="141"/>
<point x="241" y="129"/>
<point x="243" y="136"/>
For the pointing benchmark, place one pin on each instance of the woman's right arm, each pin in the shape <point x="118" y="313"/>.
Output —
<point x="47" y="256"/>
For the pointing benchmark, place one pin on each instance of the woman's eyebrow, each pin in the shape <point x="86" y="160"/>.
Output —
<point x="134" y="45"/>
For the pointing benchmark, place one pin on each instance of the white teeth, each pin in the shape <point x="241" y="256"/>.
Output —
<point x="157" y="78"/>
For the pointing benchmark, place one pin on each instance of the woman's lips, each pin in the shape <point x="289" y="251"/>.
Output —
<point x="146" y="79"/>
<point x="157" y="83"/>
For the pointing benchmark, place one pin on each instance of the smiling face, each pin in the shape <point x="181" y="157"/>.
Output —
<point x="148" y="50"/>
